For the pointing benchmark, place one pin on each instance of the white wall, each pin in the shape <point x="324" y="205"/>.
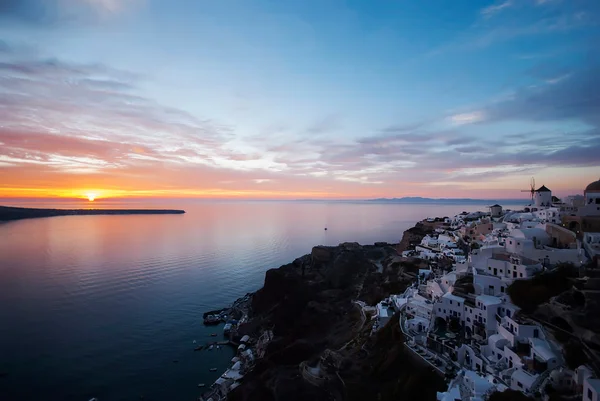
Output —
<point x="543" y="199"/>
<point x="521" y="377"/>
<point x="512" y="357"/>
<point x="488" y="285"/>
<point x="589" y="390"/>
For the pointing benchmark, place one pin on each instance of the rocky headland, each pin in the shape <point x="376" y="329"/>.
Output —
<point x="322" y="346"/>
<point x="313" y="308"/>
<point x="17" y="213"/>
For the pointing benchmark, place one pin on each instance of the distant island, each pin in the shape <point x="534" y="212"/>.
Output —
<point x="8" y="213"/>
<point x="418" y="199"/>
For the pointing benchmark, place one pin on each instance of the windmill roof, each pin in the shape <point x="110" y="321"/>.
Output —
<point x="542" y="189"/>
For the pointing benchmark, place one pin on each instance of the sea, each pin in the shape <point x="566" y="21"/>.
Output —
<point x="111" y="306"/>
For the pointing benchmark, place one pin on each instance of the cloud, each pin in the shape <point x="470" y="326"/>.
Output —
<point x="573" y="96"/>
<point x="326" y="124"/>
<point x="495" y="8"/>
<point x="467" y="118"/>
<point x="55" y="13"/>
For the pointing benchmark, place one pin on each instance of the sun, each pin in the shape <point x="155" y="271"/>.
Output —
<point x="91" y="196"/>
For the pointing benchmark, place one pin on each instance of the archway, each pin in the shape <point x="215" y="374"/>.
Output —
<point x="574" y="226"/>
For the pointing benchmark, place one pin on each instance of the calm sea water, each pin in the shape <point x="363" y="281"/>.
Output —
<point x="103" y="306"/>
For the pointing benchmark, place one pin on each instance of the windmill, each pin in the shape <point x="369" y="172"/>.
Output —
<point x="532" y="190"/>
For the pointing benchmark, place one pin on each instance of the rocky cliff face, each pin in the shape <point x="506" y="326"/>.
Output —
<point x="415" y="234"/>
<point x="309" y="305"/>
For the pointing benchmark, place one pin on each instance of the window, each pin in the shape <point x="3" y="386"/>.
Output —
<point x="536" y="333"/>
<point x="521" y="274"/>
<point x="499" y="356"/>
<point x="510" y="242"/>
<point x="590" y="395"/>
<point x="489" y="267"/>
<point x="444" y="310"/>
<point x="519" y="384"/>
<point x="468" y="319"/>
<point x="450" y="302"/>
<point x="439" y="309"/>
<point x="502" y="290"/>
<point x="483" y="320"/>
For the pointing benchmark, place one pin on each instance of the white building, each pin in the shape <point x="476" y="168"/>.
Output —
<point x="542" y="197"/>
<point x="450" y="306"/>
<point x="536" y="234"/>
<point x="486" y="284"/>
<point x="510" y="267"/>
<point x="480" y="318"/>
<point x="430" y="242"/>
<point x="591" y="244"/>
<point x="496" y="210"/>
<point x="591" y="389"/>
<point x="384" y="313"/>
<point x="548" y="215"/>
<point x="592" y="200"/>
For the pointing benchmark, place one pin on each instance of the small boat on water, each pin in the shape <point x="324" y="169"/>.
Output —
<point x="211" y="347"/>
<point x="201" y="385"/>
<point x="218" y="347"/>
<point x="213" y="369"/>
<point x="93" y="399"/>
<point x="213" y="334"/>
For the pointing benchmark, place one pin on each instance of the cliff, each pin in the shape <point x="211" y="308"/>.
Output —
<point x="310" y="307"/>
<point x="414" y="235"/>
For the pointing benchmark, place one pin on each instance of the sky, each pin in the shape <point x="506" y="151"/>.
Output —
<point x="296" y="99"/>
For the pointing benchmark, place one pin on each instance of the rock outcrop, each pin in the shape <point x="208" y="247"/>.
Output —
<point x="309" y="305"/>
<point x="415" y="234"/>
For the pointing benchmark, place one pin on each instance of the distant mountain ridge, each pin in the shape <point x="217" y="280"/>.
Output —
<point x="419" y="199"/>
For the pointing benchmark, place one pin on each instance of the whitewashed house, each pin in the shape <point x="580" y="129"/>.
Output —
<point x="450" y="306"/>
<point x="510" y="267"/>
<point x="548" y="215"/>
<point x="591" y="389"/>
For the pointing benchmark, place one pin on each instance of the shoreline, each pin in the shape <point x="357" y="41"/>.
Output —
<point x="258" y="309"/>
<point x="10" y="213"/>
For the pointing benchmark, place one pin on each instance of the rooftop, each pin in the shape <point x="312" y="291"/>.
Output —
<point x="507" y="257"/>
<point x="489" y="300"/>
<point x="542" y="189"/>
<point x="453" y="297"/>
<point x="593" y="187"/>
<point x="594" y="383"/>
<point x="542" y="348"/>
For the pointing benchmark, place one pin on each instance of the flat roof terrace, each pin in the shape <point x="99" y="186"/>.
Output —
<point x="507" y="257"/>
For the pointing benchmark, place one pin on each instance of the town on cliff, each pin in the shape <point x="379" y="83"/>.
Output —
<point x="489" y="305"/>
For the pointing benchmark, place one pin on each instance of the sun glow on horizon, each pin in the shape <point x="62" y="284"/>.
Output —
<point x="91" y="196"/>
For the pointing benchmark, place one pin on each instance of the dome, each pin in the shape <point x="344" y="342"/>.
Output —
<point x="593" y="187"/>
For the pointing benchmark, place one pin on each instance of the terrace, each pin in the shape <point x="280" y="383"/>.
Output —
<point x="514" y="259"/>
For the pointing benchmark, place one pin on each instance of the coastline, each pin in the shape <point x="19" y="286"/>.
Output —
<point x="311" y="311"/>
<point x="9" y="213"/>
